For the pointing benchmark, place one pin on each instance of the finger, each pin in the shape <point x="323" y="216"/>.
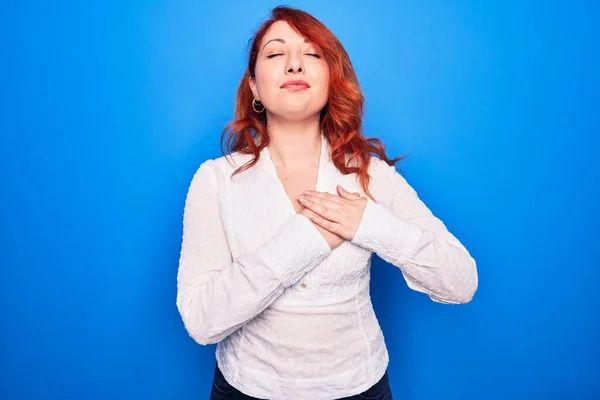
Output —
<point x="324" y="195"/>
<point x="322" y="200"/>
<point x="347" y="195"/>
<point x="342" y="190"/>
<point x="331" y="226"/>
<point x="323" y="211"/>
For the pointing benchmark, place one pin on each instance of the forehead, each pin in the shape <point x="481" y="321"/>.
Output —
<point x="282" y="30"/>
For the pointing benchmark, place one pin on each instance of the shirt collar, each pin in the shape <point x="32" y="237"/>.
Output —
<point x="326" y="171"/>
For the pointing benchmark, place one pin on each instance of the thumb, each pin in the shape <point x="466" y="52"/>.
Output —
<point x="345" y="194"/>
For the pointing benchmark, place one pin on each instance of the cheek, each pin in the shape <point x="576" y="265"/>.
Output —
<point x="266" y="81"/>
<point x="324" y="82"/>
<point x="321" y="73"/>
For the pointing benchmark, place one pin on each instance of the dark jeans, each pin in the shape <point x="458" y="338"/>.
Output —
<point x="222" y="390"/>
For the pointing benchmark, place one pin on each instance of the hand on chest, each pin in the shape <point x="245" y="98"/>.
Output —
<point x="257" y="204"/>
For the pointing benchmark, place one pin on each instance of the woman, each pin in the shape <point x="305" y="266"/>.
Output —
<point x="278" y="236"/>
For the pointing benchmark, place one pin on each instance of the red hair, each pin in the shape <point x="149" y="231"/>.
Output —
<point x="341" y="118"/>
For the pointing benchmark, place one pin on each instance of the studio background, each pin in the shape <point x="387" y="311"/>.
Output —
<point x="108" y="108"/>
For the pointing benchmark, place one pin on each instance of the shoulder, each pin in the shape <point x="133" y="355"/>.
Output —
<point x="385" y="180"/>
<point x="223" y="166"/>
<point x="213" y="175"/>
<point x="381" y="172"/>
<point x="378" y="166"/>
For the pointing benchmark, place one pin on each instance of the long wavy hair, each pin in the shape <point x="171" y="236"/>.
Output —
<point x="340" y="119"/>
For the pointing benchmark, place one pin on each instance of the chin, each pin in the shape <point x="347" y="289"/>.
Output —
<point x="296" y="113"/>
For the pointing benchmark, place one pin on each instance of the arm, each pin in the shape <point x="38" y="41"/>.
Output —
<point x="217" y="295"/>
<point x="432" y="260"/>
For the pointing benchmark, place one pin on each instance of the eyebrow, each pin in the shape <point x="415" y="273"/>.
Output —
<point x="280" y="41"/>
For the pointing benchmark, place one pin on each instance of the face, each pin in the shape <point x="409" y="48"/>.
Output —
<point x="292" y="77"/>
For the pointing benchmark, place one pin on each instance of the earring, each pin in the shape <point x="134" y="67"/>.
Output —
<point x="254" y="101"/>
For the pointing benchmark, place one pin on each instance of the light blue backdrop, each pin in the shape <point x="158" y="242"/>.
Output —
<point x="107" y="109"/>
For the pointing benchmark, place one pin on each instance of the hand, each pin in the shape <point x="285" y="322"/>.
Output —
<point x="333" y="240"/>
<point x="337" y="214"/>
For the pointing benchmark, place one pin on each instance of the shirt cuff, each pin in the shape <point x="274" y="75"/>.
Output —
<point x="296" y="249"/>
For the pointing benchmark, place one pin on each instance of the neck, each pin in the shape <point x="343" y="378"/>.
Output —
<point x="294" y="144"/>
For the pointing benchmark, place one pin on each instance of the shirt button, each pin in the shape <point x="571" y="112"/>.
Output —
<point x="303" y="285"/>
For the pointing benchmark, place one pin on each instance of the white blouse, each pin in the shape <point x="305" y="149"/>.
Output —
<point x="292" y="318"/>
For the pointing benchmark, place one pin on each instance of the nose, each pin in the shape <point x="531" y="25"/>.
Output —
<point x="294" y="65"/>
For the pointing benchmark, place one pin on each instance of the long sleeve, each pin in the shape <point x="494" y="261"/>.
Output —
<point x="432" y="260"/>
<point x="216" y="295"/>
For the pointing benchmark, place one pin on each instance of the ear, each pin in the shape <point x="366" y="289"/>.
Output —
<point x="252" y="84"/>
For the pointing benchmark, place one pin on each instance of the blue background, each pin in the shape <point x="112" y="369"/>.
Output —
<point x="107" y="109"/>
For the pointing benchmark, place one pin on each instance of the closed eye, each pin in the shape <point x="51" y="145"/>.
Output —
<point x="315" y="55"/>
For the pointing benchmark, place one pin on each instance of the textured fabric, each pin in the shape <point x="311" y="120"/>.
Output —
<point x="223" y="390"/>
<point x="292" y="318"/>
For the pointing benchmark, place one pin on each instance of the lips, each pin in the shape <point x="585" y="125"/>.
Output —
<point x="295" y="85"/>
